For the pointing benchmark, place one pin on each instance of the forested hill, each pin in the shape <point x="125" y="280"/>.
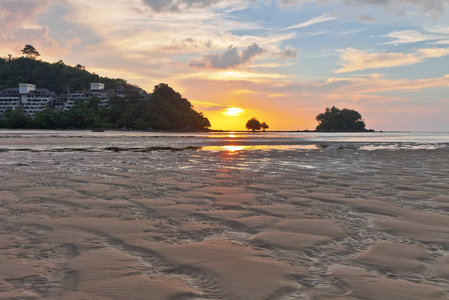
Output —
<point x="53" y="76"/>
<point x="163" y="109"/>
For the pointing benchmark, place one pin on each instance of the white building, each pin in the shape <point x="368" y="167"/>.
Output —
<point x="72" y="99"/>
<point x="96" y="90"/>
<point x="135" y="93"/>
<point x="32" y="99"/>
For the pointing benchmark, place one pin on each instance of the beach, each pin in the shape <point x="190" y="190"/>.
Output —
<point x="87" y="216"/>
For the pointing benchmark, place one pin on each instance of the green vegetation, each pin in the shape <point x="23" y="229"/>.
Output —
<point x="334" y="119"/>
<point x="264" y="126"/>
<point x="254" y="124"/>
<point x="30" y="52"/>
<point x="53" y="76"/>
<point x="165" y="109"/>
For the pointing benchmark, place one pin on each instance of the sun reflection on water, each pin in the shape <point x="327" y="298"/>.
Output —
<point x="233" y="149"/>
<point x="238" y="148"/>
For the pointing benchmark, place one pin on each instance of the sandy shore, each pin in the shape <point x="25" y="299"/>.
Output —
<point x="320" y="224"/>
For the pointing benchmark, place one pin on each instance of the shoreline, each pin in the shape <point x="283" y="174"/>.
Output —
<point x="222" y="131"/>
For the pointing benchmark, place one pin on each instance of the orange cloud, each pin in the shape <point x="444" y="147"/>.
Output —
<point x="243" y="92"/>
<point x="354" y="60"/>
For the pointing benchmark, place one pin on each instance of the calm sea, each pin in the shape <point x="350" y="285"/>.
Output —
<point x="217" y="141"/>
<point x="273" y="153"/>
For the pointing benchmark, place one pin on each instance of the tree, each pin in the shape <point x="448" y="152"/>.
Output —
<point x="264" y="126"/>
<point x="253" y="124"/>
<point x="206" y="123"/>
<point x="30" y="52"/>
<point x="164" y="109"/>
<point x="334" y="119"/>
<point x="173" y="111"/>
<point x="16" y="118"/>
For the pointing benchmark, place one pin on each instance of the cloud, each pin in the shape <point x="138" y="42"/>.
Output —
<point x="179" y="5"/>
<point x="316" y="20"/>
<point x="229" y="59"/>
<point x="364" y="89"/>
<point x="434" y="7"/>
<point x="438" y="29"/>
<point x="315" y="33"/>
<point x="354" y="60"/>
<point x="367" y="85"/>
<point x="274" y="79"/>
<point x="209" y="106"/>
<point x="243" y="92"/>
<point x="355" y="31"/>
<point x="213" y="108"/>
<point x="277" y="95"/>
<point x="289" y="53"/>
<point x="410" y="36"/>
<point x="270" y="65"/>
<point x="17" y="20"/>
<point x="432" y="53"/>
<point x="366" y="18"/>
<point x="14" y="13"/>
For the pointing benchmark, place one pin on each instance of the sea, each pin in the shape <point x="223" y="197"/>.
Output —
<point x="48" y="140"/>
<point x="86" y="152"/>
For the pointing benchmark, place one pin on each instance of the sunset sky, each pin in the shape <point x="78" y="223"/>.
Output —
<point x="281" y="61"/>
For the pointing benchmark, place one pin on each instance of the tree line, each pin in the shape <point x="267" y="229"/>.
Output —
<point x="53" y="76"/>
<point x="165" y="109"/>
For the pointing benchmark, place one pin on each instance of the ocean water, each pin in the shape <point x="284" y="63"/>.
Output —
<point x="37" y="140"/>
<point x="272" y="153"/>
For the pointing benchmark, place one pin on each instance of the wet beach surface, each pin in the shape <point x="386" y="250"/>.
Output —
<point x="114" y="218"/>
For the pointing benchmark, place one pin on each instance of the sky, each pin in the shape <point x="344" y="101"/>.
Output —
<point x="281" y="61"/>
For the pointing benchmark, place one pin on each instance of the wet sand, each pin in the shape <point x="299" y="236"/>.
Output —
<point x="312" y="224"/>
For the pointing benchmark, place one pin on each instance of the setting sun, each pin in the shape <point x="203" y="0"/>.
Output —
<point x="233" y="111"/>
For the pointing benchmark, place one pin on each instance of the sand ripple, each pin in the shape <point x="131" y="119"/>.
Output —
<point x="190" y="224"/>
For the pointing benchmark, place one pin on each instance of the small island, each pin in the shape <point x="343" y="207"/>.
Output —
<point x="344" y="120"/>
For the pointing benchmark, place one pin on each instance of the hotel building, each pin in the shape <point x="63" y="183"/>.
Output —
<point x="34" y="100"/>
<point x="28" y="96"/>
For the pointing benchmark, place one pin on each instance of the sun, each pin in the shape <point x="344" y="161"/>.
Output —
<point x="233" y="111"/>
